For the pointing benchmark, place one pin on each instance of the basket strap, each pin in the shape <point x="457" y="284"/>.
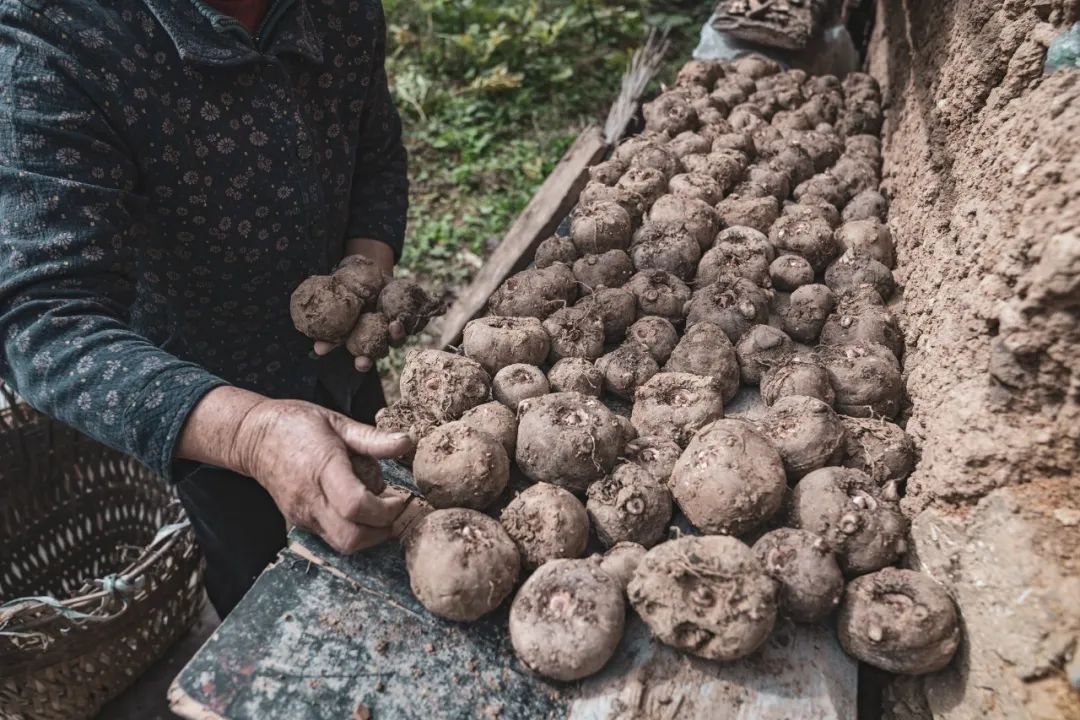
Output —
<point x="115" y="586"/>
<point x="12" y="607"/>
<point x="168" y="531"/>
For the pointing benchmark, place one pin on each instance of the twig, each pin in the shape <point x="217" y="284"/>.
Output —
<point x="644" y="65"/>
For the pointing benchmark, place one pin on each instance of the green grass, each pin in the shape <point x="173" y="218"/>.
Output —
<point x="491" y="93"/>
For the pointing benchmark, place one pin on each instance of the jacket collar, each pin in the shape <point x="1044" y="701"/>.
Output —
<point x="204" y="36"/>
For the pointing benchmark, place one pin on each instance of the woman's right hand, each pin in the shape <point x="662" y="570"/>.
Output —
<point x="300" y="453"/>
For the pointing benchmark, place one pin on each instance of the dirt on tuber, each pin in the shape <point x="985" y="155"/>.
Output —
<point x="497" y="341"/>
<point x="729" y="480"/>
<point x="676" y="405"/>
<point x="456" y="465"/>
<point x="461" y="563"/>
<point x="576" y="375"/>
<point x="547" y="523"/>
<point x="706" y="350"/>
<point x="324" y="309"/>
<point x="567" y="619"/>
<point x="656" y="334"/>
<point x="900" y="621"/>
<point x="629" y="505"/>
<point x="859" y="520"/>
<point x="806" y="571"/>
<point x="536" y="292"/>
<point x="567" y="439"/>
<point x="626" y="368"/>
<point x="705" y="595"/>
<point x="497" y="421"/>
<point x="518" y="382"/>
<point x="806" y="432"/>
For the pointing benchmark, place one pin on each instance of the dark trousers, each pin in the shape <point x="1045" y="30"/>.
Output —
<point x="236" y="522"/>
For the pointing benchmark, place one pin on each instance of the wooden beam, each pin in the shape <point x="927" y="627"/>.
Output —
<point x="551" y="203"/>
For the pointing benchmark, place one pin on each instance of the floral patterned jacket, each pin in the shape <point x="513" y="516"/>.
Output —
<point x="166" y="180"/>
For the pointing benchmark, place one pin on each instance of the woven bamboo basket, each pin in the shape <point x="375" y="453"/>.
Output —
<point x="99" y="574"/>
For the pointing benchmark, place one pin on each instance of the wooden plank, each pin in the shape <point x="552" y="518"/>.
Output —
<point x="547" y="208"/>
<point x="321" y="634"/>
<point x="317" y="639"/>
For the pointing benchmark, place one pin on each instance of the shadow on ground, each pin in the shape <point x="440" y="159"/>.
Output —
<point x="145" y="700"/>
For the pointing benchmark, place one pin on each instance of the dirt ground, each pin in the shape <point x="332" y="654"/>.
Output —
<point x="145" y="700"/>
<point x="983" y="170"/>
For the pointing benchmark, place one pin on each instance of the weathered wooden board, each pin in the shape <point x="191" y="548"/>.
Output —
<point x="309" y="643"/>
<point x="551" y="203"/>
<point x="320" y="634"/>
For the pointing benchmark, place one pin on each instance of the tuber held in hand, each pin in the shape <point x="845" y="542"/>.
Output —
<point x="406" y="302"/>
<point x="370" y="337"/>
<point x="363" y="278"/>
<point x="324" y="309"/>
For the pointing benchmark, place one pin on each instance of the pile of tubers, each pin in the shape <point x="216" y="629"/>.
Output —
<point x="738" y="245"/>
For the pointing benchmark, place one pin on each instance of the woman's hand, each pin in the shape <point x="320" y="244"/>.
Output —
<point x="300" y="453"/>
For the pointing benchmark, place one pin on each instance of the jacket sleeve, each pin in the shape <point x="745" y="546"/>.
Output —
<point x="68" y="270"/>
<point x="380" y="189"/>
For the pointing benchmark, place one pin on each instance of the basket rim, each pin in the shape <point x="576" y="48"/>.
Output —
<point x="32" y="623"/>
<point x="20" y="616"/>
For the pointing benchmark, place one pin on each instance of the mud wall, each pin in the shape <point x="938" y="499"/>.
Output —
<point x="983" y="170"/>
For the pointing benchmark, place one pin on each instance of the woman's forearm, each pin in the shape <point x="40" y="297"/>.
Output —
<point x="212" y="431"/>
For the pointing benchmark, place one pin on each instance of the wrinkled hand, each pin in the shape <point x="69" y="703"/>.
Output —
<point x="384" y="257"/>
<point x="300" y="453"/>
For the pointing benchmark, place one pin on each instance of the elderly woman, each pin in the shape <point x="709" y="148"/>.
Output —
<point x="169" y="171"/>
